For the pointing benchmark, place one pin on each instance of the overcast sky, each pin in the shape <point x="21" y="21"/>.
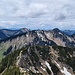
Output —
<point x="37" y="14"/>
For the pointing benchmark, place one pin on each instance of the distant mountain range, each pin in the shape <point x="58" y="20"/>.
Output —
<point x="5" y="33"/>
<point x="69" y="32"/>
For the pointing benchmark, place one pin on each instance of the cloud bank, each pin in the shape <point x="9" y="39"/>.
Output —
<point x="37" y="14"/>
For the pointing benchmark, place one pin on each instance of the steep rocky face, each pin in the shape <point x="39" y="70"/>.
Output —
<point x="60" y="38"/>
<point x="42" y="60"/>
<point x="45" y="37"/>
<point x="36" y="37"/>
<point x="29" y="38"/>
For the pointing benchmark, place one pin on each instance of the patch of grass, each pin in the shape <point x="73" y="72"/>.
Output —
<point x="3" y="48"/>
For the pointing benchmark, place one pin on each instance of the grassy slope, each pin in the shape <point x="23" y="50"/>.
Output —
<point x="3" y="48"/>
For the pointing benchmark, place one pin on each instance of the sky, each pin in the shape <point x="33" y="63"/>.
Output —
<point x="37" y="14"/>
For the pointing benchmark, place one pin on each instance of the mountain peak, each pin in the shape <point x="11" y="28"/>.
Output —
<point x="24" y="29"/>
<point x="56" y="30"/>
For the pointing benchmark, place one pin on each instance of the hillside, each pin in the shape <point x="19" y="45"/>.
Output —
<point x="38" y="52"/>
<point x="35" y="37"/>
<point x="39" y="60"/>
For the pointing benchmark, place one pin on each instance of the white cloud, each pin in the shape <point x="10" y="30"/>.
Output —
<point x="37" y="13"/>
<point x="32" y="11"/>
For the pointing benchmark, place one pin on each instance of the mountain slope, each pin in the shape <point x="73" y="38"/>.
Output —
<point x="35" y="37"/>
<point x="41" y="60"/>
<point x="37" y="52"/>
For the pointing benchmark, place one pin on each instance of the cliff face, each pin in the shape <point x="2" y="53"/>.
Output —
<point x="39" y="37"/>
<point x="36" y="37"/>
<point x="24" y="37"/>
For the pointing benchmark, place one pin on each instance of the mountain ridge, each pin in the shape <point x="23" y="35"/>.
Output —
<point x="5" y="33"/>
<point x="38" y="52"/>
<point x="36" y="37"/>
<point x="40" y="60"/>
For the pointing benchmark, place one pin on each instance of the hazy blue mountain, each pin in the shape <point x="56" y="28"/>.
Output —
<point x="69" y="32"/>
<point x="5" y="33"/>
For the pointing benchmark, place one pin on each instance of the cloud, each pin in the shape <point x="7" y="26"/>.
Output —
<point x="34" y="10"/>
<point x="44" y="14"/>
